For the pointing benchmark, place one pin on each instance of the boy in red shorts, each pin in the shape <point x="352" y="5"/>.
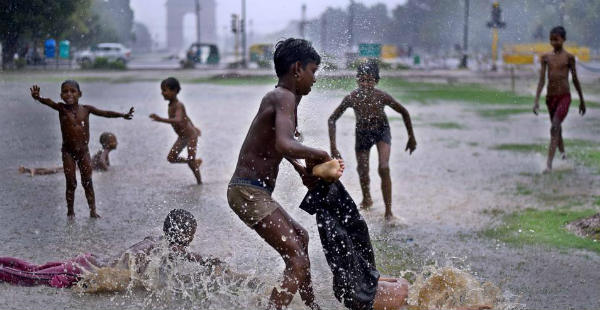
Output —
<point x="558" y="97"/>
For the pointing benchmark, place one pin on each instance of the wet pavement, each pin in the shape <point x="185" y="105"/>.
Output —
<point x="442" y="192"/>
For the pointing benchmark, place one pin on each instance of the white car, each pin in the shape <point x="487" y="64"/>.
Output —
<point x="114" y="52"/>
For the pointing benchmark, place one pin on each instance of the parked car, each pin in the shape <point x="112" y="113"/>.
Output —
<point x="113" y="52"/>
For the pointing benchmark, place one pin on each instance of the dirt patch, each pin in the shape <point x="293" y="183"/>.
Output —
<point x="588" y="227"/>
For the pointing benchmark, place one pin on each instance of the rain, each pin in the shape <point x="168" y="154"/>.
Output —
<point x="334" y="154"/>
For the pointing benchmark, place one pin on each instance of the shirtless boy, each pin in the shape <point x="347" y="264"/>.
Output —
<point x="75" y="129"/>
<point x="270" y="139"/>
<point x="100" y="161"/>
<point x="558" y="63"/>
<point x="183" y="126"/>
<point x="179" y="228"/>
<point x="372" y="128"/>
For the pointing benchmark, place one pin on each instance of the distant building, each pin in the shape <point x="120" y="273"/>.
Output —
<point x="177" y="9"/>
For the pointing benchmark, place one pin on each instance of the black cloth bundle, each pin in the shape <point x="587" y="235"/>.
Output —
<point x="345" y="238"/>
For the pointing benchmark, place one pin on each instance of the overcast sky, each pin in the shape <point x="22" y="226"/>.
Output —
<point x="266" y="15"/>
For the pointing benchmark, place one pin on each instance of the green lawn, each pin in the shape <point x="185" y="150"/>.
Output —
<point x="536" y="227"/>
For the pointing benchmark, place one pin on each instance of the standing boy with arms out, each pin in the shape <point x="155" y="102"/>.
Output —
<point x="270" y="139"/>
<point x="75" y="129"/>
<point x="372" y="128"/>
<point x="183" y="126"/>
<point x="558" y="96"/>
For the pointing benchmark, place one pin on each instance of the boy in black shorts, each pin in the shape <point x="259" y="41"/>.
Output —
<point x="372" y="128"/>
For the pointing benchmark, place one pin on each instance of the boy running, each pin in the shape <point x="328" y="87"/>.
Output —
<point x="183" y="126"/>
<point x="372" y="128"/>
<point x="75" y="129"/>
<point x="558" y="63"/>
<point x="270" y="139"/>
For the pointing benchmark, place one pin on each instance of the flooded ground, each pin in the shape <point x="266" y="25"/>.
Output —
<point x="453" y="187"/>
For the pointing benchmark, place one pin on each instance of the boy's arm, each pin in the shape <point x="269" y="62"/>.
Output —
<point x="542" y="81"/>
<point x="337" y="113"/>
<point x="35" y="93"/>
<point x="284" y="133"/>
<point x="111" y="114"/>
<point x="178" y="117"/>
<point x="573" y="68"/>
<point x="411" y="145"/>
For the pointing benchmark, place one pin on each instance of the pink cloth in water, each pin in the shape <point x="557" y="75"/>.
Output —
<point x="55" y="274"/>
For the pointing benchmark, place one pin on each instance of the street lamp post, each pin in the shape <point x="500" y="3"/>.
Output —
<point x="198" y="36"/>
<point x="463" y="63"/>
<point x="243" y="32"/>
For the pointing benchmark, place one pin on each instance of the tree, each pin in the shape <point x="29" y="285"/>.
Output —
<point x="32" y="19"/>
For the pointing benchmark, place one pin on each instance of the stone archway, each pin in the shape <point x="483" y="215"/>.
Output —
<point x="176" y="9"/>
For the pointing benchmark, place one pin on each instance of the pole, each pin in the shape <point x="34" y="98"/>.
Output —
<point x="464" y="61"/>
<point x="351" y="25"/>
<point x="323" y="32"/>
<point x="494" y="48"/>
<point x="243" y="32"/>
<point x="303" y="21"/>
<point x="197" y="21"/>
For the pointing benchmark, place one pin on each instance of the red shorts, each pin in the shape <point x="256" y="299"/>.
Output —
<point x="558" y="106"/>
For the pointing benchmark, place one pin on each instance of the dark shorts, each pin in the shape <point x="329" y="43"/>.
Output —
<point x="558" y="106"/>
<point x="251" y="200"/>
<point x="365" y="139"/>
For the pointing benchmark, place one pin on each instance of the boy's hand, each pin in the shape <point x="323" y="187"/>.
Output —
<point x="35" y="92"/>
<point x="130" y="114"/>
<point x="411" y="145"/>
<point x="154" y="117"/>
<point x="536" y="107"/>
<point x="582" y="108"/>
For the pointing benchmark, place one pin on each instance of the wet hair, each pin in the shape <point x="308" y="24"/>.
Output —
<point x="177" y="226"/>
<point x="368" y="67"/>
<point x="559" y="30"/>
<point x="72" y="83"/>
<point x="289" y="51"/>
<point x="105" y="138"/>
<point x="171" y="83"/>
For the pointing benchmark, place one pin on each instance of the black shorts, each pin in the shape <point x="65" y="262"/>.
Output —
<point x="365" y="139"/>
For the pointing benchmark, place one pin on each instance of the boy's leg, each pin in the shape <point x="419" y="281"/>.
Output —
<point x="85" y="168"/>
<point x="554" y="140"/>
<point x="384" y="149"/>
<point x="362" y="159"/>
<point x="561" y="144"/>
<point x="177" y="147"/>
<point x="69" y="170"/>
<point x="192" y="162"/>
<point x="290" y="240"/>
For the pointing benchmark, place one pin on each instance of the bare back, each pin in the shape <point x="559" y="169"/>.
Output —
<point x="258" y="158"/>
<point x="559" y="65"/>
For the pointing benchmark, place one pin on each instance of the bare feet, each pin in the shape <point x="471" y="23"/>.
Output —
<point x="199" y="161"/>
<point x="366" y="204"/>
<point x="71" y="215"/>
<point x="21" y="169"/>
<point x="389" y="216"/>
<point x="547" y="171"/>
<point x="563" y="155"/>
<point x="93" y="214"/>
<point x="329" y="171"/>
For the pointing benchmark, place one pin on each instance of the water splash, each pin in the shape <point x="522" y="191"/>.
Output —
<point x="164" y="280"/>
<point x="450" y="288"/>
